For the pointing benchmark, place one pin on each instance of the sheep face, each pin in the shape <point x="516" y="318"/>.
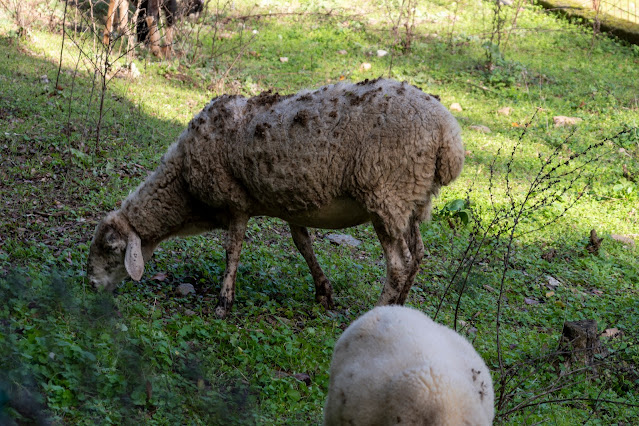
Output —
<point x="115" y="254"/>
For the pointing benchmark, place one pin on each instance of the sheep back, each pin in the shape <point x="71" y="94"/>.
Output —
<point x="387" y="145"/>
<point x="395" y="365"/>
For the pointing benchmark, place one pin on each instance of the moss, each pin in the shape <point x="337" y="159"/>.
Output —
<point x="625" y="30"/>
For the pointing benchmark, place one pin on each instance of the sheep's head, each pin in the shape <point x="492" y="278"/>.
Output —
<point x="115" y="253"/>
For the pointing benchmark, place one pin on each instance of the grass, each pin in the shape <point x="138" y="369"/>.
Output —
<point x="151" y="356"/>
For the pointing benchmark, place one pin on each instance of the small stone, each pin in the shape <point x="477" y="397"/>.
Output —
<point x="189" y="313"/>
<point x="456" y="107"/>
<point x="505" y="111"/>
<point x="624" y="239"/>
<point x="552" y="282"/>
<point x="283" y="59"/>
<point x="480" y="128"/>
<point x="342" y="52"/>
<point x="343" y="240"/>
<point x="365" y="66"/>
<point x="185" y="289"/>
<point x="562" y="121"/>
<point x="530" y="301"/>
<point x="381" y="53"/>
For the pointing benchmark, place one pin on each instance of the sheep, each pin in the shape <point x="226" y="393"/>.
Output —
<point x="343" y="155"/>
<point x="395" y="365"/>
<point x="147" y="21"/>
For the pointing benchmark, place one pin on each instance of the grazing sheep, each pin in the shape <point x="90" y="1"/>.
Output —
<point x="148" y="19"/>
<point x="394" y="365"/>
<point x="337" y="157"/>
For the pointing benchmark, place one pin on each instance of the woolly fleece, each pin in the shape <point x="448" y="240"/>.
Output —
<point x="336" y="157"/>
<point x="394" y="365"/>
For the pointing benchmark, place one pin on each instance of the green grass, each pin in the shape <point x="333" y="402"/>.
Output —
<point x="148" y="355"/>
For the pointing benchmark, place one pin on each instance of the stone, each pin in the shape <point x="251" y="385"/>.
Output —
<point x="185" y="289"/>
<point x="343" y="240"/>
<point x="563" y="121"/>
<point x="480" y="128"/>
<point x="381" y="53"/>
<point x="624" y="239"/>
<point x="455" y="107"/>
<point x="365" y="66"/>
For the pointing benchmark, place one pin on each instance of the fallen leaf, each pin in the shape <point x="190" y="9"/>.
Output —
<point x="365" y="66"/>
<point x="160" y="276"/>
<point x="530" y="301"/>
<point x="381" y="53"/>
<point x="283" y="59"/>
<point x="303" y="377"/>
<point x="489" y="288"/>
<point x="455" y="107"/>
<point x="341" y="77"/>
<point x="342" y="52"/>
<point x="550" y="293"/>
<point x="515" y="124"/>
<point x="505" y="110"/>
<point x="612" y="332"/>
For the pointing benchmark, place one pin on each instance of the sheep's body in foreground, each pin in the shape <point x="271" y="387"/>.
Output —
<point x="337" y="157"/>
<point x="394" y="365"/>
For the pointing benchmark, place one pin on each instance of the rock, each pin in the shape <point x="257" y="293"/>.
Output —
<point x="552" y="282"/>
<point x="480" y="128"/>
<point x="455" y="107"/>
<point x="343" y="240"/>
<point x="381" y="53"/>
<point x="342" y="52"/>
<point x="189" y="313"/>
<point x="185" y="289"/>
<point x="562" y="121"/>
<point x="624" y="239"/>
<point x="283" y="59"/>
<point x="365" y="66"/>
<point x="530" y="301"/>
<point x="505" y="111"/>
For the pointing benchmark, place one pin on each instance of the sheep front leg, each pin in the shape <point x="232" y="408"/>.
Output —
<point x="323" y="288"/>
<point x="398" y="265"/>
<point x="106" y="39"/>
<point x="234" y="239"/>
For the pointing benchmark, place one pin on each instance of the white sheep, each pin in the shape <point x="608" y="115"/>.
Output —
<point x="394" y="365"/>
<point x="340" y="156"/>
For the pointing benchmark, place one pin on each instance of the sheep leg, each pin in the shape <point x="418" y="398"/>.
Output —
<point x="416" y="247"/>
<point x="152" y="20"/>
<point x="234" y="239"/>
<point x="323" y="288"/>
<point x="398" y="265"/>
<point x="106" y="39"/>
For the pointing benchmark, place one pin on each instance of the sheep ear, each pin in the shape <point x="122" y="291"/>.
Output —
<point x="133" y="260"/>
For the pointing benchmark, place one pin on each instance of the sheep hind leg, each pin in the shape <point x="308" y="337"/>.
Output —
<point x="323" y="288"/>
<point x="234" y="239"/>
<point x="399" y="262"/>
<point x="416" y="247"/>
